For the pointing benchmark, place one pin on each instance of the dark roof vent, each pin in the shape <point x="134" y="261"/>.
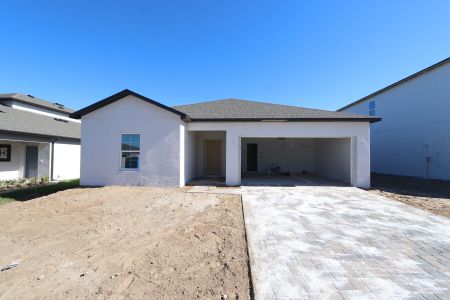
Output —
<point x="61" y="120"/>
<point x="31" y="96"/>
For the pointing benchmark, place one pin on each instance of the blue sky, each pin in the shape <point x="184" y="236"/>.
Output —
<point x="319" y="54"/>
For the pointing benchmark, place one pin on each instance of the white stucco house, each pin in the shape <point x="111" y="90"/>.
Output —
<point x="413" y="139"/>
<point x="37" y="139"/>
<point x="129" y="139"/>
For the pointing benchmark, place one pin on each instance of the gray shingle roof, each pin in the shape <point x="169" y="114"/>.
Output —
<point x="35" y="102"/>
<point x="236" y="109"/>
<point x="14" y="120"/>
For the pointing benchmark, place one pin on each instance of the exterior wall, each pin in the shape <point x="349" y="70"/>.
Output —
<point x="41" y="111"/>
<point x="43" y="160"/>
<point x="359" y="132"/>
<point x="414" y="113"/>
<point x="332" y="158"/>
<point x="160" y="132"/>
<point x="189" y="157"/>
<point x="66" y="160"/>
<point x="293" y="155"/>
<point x="15" y="168"/>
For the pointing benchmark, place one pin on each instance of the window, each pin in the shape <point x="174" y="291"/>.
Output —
<point x="130" y="151"/>
<point x="372" y="108"/>
<point x="5" y="152"/>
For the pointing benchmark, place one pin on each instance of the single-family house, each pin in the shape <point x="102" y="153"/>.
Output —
<point x="129" y="139"/>
<point x="37" y="139"/>
<point x="413" y="139"/>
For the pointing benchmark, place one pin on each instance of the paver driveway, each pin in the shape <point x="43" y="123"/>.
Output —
<point x="325" y="242"/>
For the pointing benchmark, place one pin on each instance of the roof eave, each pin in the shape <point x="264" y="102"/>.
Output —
<point x="436" y="65"/>
<point x="35" y="104"/>
<point x="369" y="119"/>
<point x="40" y="135"/>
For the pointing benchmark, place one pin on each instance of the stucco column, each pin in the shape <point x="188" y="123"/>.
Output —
<point x="233" y="159"/>
<point x="182" y="155"/>
<point x="361" y="166"/>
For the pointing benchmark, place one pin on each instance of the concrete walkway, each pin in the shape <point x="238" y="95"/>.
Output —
<point x="325" y="242"/>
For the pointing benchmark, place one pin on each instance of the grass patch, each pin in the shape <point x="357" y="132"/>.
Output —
<point x="38" y="191"/>
<point x="5" y="200"/>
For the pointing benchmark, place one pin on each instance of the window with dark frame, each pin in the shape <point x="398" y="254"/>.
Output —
<point x="372" y="108"/>
<point x="5" y="152"/>
<point x="130" y="151"/>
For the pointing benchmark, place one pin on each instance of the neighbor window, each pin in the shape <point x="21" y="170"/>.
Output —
<point x="372" y="108"/>
<point x="130" y="151"/>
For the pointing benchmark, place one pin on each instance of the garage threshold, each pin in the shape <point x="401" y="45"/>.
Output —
<point x="289" y="181"/>
<point x="269" y="180"/>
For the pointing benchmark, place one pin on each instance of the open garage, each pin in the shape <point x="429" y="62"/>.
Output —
<point x="292" y="157"/>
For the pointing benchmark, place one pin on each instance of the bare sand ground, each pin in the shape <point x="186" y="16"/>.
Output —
<point x="431" y="195"/>
<point x="124" y="242"/>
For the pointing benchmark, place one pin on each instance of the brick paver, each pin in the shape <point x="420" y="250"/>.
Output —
<point x="326" y="242"/>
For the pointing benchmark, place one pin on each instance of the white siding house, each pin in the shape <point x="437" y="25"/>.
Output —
<point x="413" y="138"/>
<point x="128" y="139"/>
<point x="37" y="139"/>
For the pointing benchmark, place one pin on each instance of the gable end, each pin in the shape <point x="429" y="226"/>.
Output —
<point x="120" y="95"/>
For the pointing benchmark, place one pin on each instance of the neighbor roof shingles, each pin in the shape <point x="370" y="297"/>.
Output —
<point x="35" y="102"/>
<point x="22" y="122"/>
<point x="237" y="109"/>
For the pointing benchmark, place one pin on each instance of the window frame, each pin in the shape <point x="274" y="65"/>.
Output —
<point x="8" y="153"/>
<point x="135" y="151"/>
<point x="372" y="110"/>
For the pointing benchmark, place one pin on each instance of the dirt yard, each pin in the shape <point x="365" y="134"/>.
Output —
<point x="431" y="195"/>
<point x="118" y="242"/>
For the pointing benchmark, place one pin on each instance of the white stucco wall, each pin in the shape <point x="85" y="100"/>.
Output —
<point x="332" y="158"/>
<point x="189" y="156"/>
<point x="160" y="132"/>
<point x="359" y="132"/>
<point x="414" y="113"/>
<point x="43" y="159"/>
<point x="66" y="159"/>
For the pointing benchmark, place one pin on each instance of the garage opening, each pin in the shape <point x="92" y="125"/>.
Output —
<point x="296" y="160"/>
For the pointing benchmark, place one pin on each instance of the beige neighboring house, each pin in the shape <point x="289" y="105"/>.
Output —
<point x="37" y="138"/>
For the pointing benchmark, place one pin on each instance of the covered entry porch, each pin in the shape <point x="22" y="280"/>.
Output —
<point x="206" y="156"/>
<point x="24" y="157"/>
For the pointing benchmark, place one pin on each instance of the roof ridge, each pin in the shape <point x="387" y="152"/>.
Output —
<point x="262" y="102"/>
<point x="36" y="101"/>
<point x="399" y="82"/>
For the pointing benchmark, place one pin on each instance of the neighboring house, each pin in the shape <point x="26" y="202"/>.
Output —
<point x="37" y="139"/>
<point x="414" y="137"/>
<point x="128" y="139"/>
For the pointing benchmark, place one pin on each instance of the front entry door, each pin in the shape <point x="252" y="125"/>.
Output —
<point x="31" y="161"/>
<point x="212" y="157"/>
<point x="252" y="157"/>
